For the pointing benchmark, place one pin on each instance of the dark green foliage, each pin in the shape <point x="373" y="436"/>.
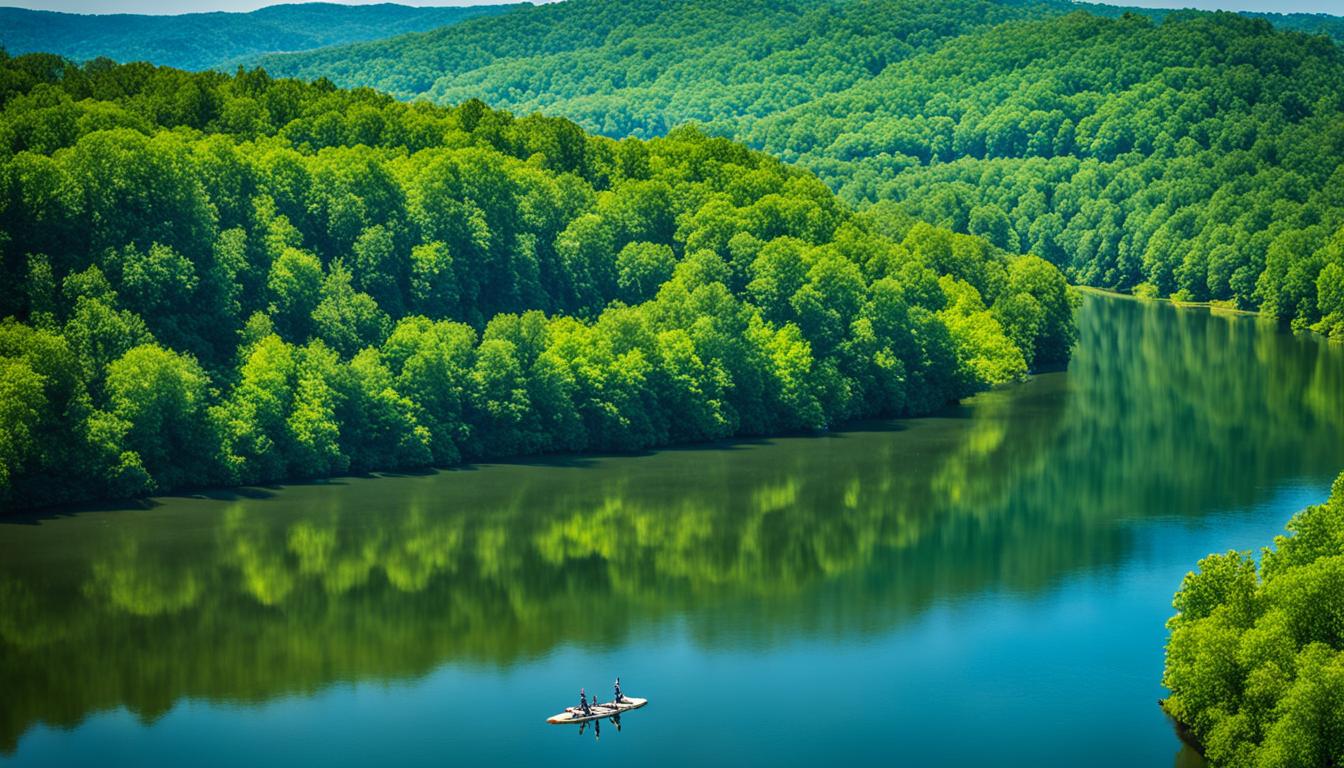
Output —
<point x="628" y="67"/>
<point x="625" y="67"/>
<point x="207" y="40"/>
<point x="1194" y="158"/>
<point x="1179" y="154"/>
<point x="348" y="283"/>
<point x="1255" y="662"/>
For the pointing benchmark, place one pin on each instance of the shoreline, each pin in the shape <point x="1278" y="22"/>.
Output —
<point x="1183" y="731"/>
<point x="225" y="492"/>
<point x="1213" y="306"/>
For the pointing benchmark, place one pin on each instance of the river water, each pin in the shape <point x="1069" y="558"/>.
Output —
<point x="984" y="587"/>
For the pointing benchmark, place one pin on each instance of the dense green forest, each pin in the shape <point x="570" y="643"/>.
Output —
<point x="624" y="67"/>
<point x="1197" y="158"/>
<point x="1254" y="662"/>
<point x="1187" y="154"/>
<point x="209" y="40"/>
<point x="234" y="279"/>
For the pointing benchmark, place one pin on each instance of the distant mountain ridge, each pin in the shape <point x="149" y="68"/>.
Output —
<point x="219" y="39"/>
<point x="629" y="67"/>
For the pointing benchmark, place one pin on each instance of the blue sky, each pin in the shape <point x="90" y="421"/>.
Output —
<point x="185" y="6"/>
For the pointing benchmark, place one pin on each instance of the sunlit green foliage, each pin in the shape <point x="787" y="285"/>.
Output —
<point x="1255" y="662"/>
<point x="341" y="282"/>
<point x="1179" y="154"/>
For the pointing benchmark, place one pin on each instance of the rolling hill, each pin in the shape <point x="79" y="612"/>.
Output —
<point x="1173" y="153"/>
<point x="206" y="40"/>
<point x="221" y="279"/>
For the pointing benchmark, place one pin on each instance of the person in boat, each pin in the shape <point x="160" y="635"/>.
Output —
<point x="583" y="703"/>
<point x="619" y="696"/>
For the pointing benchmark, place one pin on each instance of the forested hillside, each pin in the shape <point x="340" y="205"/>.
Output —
<point x="626" y="67"/>
<point x="1254" y="662"/>
<point x="1198" y="157"/>
<point x="206" y="40"/>
<point x="1192" y="156"/>
<point x="234" y="279"/>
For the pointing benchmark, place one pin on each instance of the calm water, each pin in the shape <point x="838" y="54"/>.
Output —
<point x="985" y="587"/>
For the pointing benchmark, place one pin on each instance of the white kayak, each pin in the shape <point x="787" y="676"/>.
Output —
<point x="599" y="711"/>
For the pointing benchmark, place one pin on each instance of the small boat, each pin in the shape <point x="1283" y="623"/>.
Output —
<point x="576" y="715"/>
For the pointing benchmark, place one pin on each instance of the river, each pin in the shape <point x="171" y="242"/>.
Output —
<point x="983" y="587"/>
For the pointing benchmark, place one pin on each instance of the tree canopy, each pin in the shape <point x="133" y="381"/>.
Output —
<point x="1255" y="662"/>
<point x="1181" y="154"/>
<point x="234" y="279"/>
<point x="1195" y="158"/>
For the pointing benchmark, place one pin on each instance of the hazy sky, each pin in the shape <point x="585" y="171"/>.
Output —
<point x="186" y="6"/>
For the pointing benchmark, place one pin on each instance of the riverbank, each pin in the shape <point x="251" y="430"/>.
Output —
<point x="1183" y="731"/>
<point x="1214" y="306"/>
